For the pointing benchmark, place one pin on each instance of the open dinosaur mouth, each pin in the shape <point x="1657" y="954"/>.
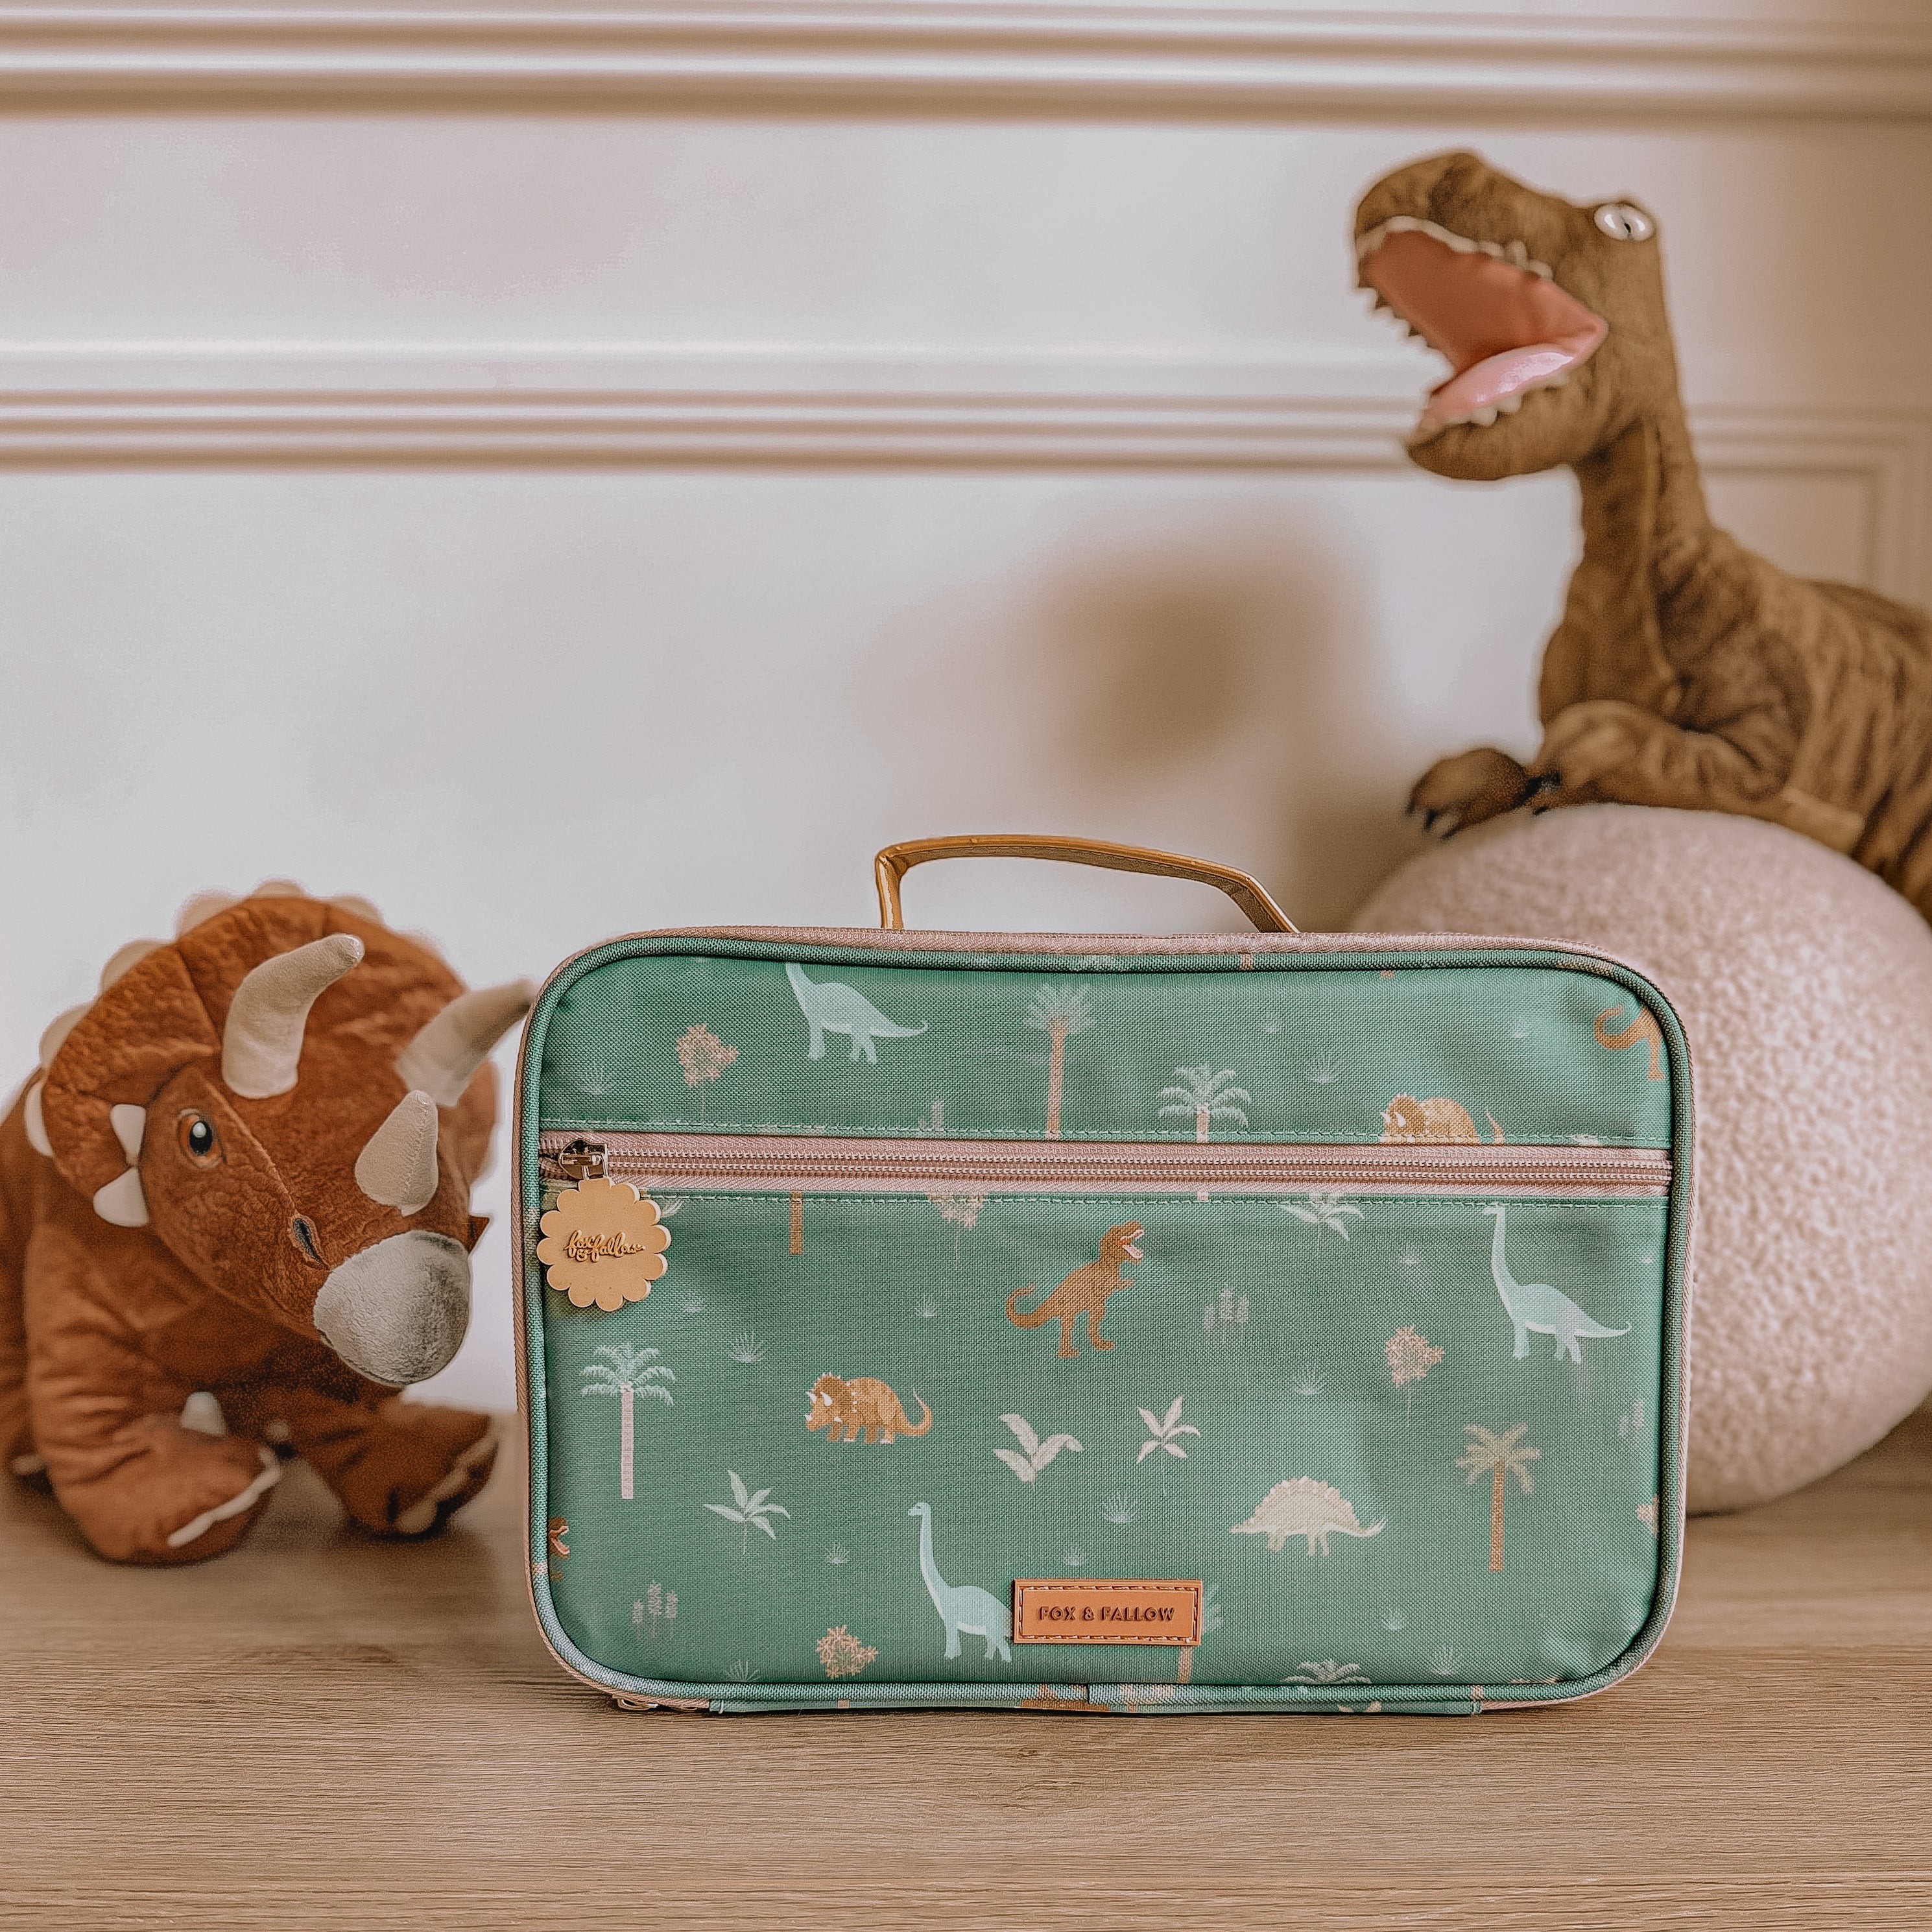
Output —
<point x="1496" y="315"/>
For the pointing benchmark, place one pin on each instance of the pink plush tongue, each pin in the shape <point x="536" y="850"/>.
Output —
<point x="1505" y="330"/>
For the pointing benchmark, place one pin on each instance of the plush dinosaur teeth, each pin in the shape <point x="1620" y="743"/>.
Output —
<point x="122" y="1201"/>
<point x="130" y="1123"/>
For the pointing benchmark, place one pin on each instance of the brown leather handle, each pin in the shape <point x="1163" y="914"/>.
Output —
<point x="895" y="861"/>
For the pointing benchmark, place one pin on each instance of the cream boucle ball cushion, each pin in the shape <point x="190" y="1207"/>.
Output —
<point x="1805" y="987"/>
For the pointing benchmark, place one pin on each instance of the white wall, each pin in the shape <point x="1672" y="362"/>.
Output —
<point x="554" y="480"/>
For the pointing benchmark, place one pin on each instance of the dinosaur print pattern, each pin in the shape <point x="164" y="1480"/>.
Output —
<point x="1407" y="1120"/>
<point x="1534" y="1308"/>
<point x="1304" y="1507"/>
<point x="1643" y="1030"/>
<point x="863" y="1405"/>
<point x="932" y="1195"/>
<point x="829" y="1006"/>
<point x="1084" y="1291"/>
<point x="963" y="1608"/>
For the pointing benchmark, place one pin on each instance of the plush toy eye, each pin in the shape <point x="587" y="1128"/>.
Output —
<point x="199" y="1140"/>
<point x="1621" y="222"/>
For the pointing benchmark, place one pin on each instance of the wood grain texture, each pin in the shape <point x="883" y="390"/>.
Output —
<point x="324" y="1731"/>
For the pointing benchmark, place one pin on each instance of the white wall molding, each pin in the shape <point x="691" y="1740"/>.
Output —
<point x="1143" y="57"/>
<point x="238" y="406"/>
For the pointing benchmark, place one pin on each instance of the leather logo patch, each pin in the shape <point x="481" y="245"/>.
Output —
<point x="1106" y="1609"/>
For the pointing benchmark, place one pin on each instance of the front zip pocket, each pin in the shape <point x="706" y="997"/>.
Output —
<point x="1267" y="1369"/>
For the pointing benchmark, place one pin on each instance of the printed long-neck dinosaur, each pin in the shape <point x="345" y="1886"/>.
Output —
<point x="1686" y="671"/>
<point x="1083" y="1292"/>
<point x="1534" y="1308"/>
<point x="829" y="1007"/>
<point x="962" y="1606"/>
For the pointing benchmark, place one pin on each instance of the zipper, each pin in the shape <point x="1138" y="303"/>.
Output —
<point x="693" y="1163"/>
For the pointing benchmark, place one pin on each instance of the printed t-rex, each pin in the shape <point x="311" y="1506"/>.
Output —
<point x="243" y="1172"/>
<point x="1686" y="671"/>
<point x="1083" y="1292"/>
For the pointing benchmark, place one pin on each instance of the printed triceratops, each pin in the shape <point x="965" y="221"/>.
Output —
<point x="244" y="1170"/>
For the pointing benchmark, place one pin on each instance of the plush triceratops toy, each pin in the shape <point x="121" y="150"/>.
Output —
<point x="1686" y="671"/>
<point x="243" y="1172"/>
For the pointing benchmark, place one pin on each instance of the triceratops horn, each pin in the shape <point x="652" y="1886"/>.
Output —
<point x="447" y="1052"/>
<point x="262" y="1046"/>
<point x="398" y="1168"/>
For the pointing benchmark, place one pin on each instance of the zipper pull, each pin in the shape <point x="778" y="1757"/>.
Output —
<point x="582" y="1160"/>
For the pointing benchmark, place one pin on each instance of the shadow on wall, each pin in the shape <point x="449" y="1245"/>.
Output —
<point x="1223" y="681"/>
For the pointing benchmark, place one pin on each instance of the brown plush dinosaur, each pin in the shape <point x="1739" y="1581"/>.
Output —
<point x="1686" y="671"/>
<point x="243" y="1172"/>
<point x="864" y="1403"/>
<point x="1083" y="1292"/>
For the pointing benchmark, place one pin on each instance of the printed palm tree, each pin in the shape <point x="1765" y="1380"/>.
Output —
<point x="1497" y="1456"/>
<point x="753" y="1511"/>
<point x="1058" y="1011"/>
<point x="1204" y="1096"/>
<point x="624" y="1373"/>
<point x="1033" y="1455"/>
<point x="1323" y="1211"/>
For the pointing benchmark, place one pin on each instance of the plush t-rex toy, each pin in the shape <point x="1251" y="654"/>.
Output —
<point x="243" y="1172"/>
<point x="1686" y="671"/>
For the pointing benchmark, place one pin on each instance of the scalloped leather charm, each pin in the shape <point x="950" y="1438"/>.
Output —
<point x="604" y="1244"/>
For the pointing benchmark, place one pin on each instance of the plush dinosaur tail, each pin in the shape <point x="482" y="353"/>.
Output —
<point x="908" y="1430"/>
<point x="1037" y="1318"/>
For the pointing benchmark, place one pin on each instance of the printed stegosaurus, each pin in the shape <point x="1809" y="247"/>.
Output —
<point x="1304" y="1507"/>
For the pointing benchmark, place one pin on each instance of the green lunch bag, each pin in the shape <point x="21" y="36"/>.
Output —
<point x="1222" y="1322"/>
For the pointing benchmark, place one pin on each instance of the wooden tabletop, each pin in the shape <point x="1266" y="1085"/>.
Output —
<point x="321" y="1730"/>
